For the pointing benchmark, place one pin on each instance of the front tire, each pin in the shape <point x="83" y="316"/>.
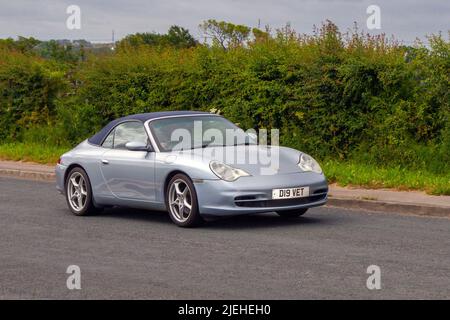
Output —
<point x="181" y="202"/>
<point x="79" y="193"/>
<point x="292" y="213"/>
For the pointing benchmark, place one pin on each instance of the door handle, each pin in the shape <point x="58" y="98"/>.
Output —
<point x="104" y="161"/>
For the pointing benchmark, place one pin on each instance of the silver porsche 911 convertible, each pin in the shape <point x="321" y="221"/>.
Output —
<point x="191" y="164"/>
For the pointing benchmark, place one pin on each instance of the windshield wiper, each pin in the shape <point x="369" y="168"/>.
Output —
<point x="205" y="145"/>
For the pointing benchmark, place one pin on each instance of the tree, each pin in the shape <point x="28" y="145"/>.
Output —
<point x="22" y="44"/>
<point x="180" y="37"/>
<point x="225" y="34"/>
<point x="176" y="36"/>
<point x="261" y="36"/>
<point x="26" y="44"/>
<point x="53" y="49"/>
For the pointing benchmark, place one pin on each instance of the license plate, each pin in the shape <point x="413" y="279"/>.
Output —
<point x="290" y="193"/>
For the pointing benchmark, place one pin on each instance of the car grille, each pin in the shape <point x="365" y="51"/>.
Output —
<point x="252" y="202"/>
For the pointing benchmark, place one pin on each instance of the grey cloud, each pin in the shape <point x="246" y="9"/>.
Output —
<point x="46" y="19"/>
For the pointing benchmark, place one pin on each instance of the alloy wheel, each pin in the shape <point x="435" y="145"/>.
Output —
<point x="77" y="191"/>
<point x="180" y="200"/>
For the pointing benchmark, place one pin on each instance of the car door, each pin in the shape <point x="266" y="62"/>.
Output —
<point x="128" y="175"/>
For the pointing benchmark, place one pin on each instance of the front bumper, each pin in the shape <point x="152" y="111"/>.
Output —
<point x="254" y="194"/>
<point x="60" y="171"/>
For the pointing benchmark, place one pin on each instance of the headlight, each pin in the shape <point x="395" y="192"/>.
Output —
<point x="226" y="172"/>
<point x="307" y="163"/>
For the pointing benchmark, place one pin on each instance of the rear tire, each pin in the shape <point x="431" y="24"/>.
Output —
<point x="79" y="193"/>
<point x="292" y="213"/>
<point x="181" y="202"/>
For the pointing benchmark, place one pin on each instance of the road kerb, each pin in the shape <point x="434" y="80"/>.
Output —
<point x="350" y="203"/>
<point x="384" y="206"/>
<point x="25" y="174"/>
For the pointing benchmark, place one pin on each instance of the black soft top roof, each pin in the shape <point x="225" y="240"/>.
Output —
<point x="98" y="138"/>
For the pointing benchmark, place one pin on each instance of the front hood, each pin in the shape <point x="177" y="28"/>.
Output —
<point x="255" y="159"/>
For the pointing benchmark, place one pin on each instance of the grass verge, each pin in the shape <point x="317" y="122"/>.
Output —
<point x="343" y="173"/>
<point x="31" y="152"/>
<point x="374" y="177"/>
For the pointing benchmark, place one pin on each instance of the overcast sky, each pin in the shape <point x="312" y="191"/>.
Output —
<point x="46" y="19"/>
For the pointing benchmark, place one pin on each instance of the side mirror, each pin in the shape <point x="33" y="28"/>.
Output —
<point x="137" y="146"/>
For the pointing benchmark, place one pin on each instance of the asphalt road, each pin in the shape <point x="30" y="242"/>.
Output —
<point x="125" y="253"/>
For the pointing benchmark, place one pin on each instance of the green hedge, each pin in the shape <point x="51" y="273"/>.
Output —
<point x="334" y="96"/>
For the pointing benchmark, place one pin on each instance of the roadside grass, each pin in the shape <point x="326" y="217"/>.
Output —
<point x="374" y="177"/>
<point x="32" y="152"/>
<point x="343" y="173"/>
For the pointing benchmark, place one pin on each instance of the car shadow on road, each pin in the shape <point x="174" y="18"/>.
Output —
<point x="136" y="214"/>
<point x="265" y="220"/>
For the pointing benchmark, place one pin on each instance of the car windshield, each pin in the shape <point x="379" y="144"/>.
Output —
<point x="191" y="132"/>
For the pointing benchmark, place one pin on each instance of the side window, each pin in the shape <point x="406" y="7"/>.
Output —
<point x="109" y="141"/>
<point x="127" y="132"/>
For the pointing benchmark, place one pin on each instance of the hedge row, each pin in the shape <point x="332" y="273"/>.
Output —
<point x="332" y="95"/>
